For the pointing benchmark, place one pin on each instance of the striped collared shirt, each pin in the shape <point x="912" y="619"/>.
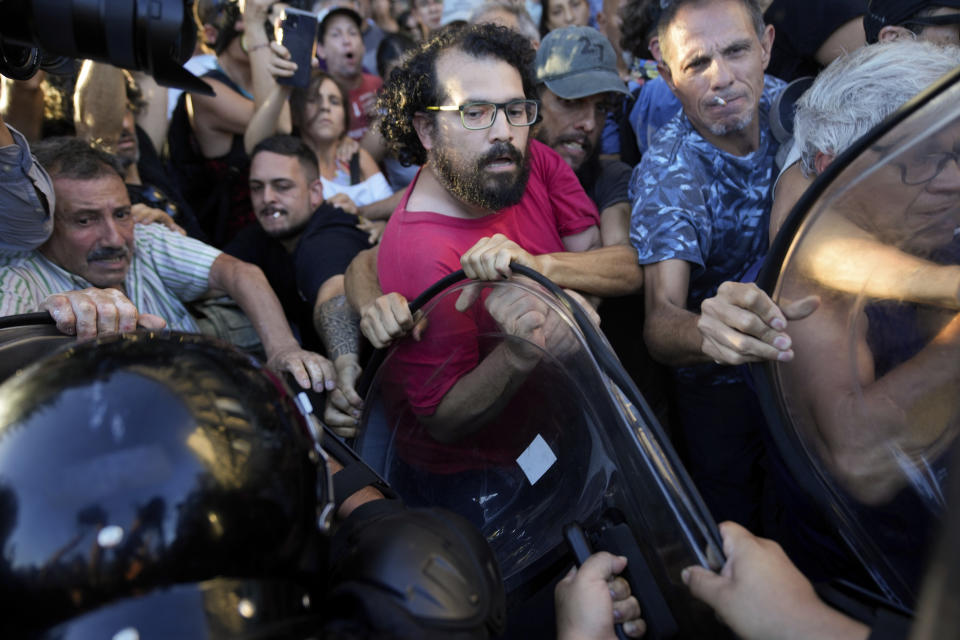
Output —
<point x="167" y="270"/>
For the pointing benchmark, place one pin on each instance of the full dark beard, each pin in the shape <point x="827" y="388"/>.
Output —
<point x="472" y="185"/>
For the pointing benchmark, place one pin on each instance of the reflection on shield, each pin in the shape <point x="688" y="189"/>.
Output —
<point x="548" y="430"/>
<point x="866" y="413"/>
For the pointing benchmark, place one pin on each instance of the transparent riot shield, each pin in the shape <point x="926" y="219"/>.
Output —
<point x="512" y="410"/>
<point x="25" y="338"/>
<point x="867" y="410"/>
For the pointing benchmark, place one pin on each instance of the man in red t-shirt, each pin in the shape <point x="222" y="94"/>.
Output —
<point x="340" y="44"/>
<point x="486" y="195"/>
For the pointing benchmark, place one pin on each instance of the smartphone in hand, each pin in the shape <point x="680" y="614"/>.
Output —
<point x="297" y="31"/>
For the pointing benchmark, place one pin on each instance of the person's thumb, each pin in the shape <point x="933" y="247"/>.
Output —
<point x="800" y="309"/>
<point x="150" y="321"/>
<point x="704" y="584"/>
<point x="467" y="297"/>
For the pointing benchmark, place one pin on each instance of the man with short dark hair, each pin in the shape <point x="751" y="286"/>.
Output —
<point x="936" y="21"/>
<point x="304" y="245"/>
<point x="701" y="204"/>
<point x="99" y="273"/>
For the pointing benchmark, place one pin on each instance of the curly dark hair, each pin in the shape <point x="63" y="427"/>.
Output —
<point x="640" y="18"/>
<point x="413" y="86"/>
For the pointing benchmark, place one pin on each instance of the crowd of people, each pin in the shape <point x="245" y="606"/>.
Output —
<point x="643" y="154"/>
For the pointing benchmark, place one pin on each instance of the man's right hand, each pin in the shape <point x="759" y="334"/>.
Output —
<point x="279" y="64"/>
<point x="92" y="313"/>
<point x="388" y="318"/>
<point x="591" y="599"/>
<point x="742" y="324"/>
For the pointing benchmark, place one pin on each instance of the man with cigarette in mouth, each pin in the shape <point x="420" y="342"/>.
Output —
<point x="304" y="244"/>
<point x="701" y="204"/>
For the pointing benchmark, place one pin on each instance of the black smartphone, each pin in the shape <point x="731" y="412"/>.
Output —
<point x="297" y="31"/>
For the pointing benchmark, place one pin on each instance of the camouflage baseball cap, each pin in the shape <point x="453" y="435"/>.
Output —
<point x="575" y="62"/>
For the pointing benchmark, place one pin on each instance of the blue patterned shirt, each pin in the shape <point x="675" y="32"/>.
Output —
<point x="694" y="202"/>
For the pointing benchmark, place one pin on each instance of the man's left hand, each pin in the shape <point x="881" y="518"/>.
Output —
<point x="760" y="594"/>
<point x="307" y="368"/>
<point x="343" y="403"/>
<point x="490" y="258"/>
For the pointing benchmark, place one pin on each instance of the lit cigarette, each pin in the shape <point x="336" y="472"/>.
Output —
<point x="718" y="101"/>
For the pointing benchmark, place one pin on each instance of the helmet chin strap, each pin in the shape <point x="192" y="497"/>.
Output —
<point x="326" y="500"/>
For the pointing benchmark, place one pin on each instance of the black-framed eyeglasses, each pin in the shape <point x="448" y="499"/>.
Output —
<point x="927" y="168"/>
<point x="933" y="21"/>
<point x="481" y="115"/>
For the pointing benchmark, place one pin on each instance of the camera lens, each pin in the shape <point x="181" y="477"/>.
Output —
<point x="155" y="36"/>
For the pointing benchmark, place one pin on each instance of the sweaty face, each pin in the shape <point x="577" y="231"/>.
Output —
<point x="567" y="13"/>
<point x="715" y="67"/>
<point x="324" y="114"/>
<point x="342" y="47"/>
<point x="93" y="229"/>
<point x="571" y="127"/>
<point x="486" y="168"/>
<point x="282" y="198"/>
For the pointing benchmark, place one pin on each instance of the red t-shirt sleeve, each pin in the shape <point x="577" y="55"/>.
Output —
<point x="573" y="210"/>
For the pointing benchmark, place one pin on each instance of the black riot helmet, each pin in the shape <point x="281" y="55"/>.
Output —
<point x="156" y="486"/>
<point x="415" y="574"/>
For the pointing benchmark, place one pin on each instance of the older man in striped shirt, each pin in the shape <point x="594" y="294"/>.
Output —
<point x="100" y="273"/>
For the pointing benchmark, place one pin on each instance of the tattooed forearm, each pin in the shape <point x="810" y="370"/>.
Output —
<point x="338" y="326"/>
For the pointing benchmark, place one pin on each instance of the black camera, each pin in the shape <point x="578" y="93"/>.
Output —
<point x="156" y="36"/>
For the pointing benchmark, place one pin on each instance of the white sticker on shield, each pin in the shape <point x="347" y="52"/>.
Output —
<point x="536" y="459"/>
